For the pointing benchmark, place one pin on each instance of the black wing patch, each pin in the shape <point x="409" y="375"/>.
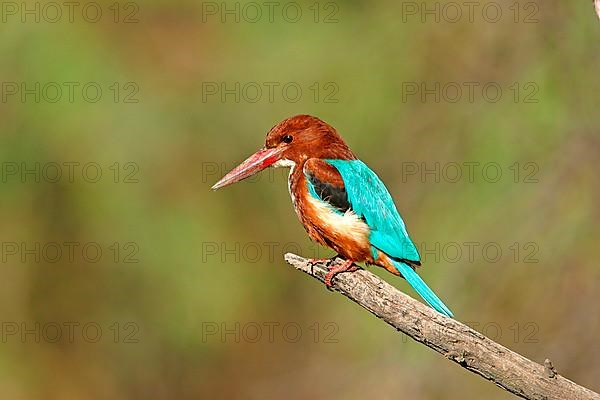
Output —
<point x="334" y="195"/>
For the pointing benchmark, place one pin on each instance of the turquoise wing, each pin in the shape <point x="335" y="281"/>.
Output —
<point x="371" y="200"/>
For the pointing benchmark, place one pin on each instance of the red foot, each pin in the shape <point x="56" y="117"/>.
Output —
<point x="346" y="266"/>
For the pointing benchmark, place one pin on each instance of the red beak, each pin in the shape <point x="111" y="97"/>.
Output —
<point x="258" y="161"/>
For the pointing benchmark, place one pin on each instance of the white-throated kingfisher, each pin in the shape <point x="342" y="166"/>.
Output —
<point x="340" y="201"/>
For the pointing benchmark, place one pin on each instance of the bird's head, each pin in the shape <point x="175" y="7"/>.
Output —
<point x="291" y="142"/>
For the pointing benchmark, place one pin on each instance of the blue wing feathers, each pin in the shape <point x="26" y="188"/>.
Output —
<point x="371" y="200"/>
<point x="420" y="287"/>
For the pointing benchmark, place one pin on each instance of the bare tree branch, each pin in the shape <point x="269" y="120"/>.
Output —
<point x="454" y="340"/>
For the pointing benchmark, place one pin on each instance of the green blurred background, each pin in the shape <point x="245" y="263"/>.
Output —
<point x="190" y="297"/>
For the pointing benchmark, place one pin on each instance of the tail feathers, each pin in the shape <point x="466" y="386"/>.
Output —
<point x="417" y="283"/>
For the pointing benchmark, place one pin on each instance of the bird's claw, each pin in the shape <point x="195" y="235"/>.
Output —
<point x="346" y="266"/>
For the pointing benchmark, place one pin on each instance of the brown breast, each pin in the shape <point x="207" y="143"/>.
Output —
<point x="347" y="234"/>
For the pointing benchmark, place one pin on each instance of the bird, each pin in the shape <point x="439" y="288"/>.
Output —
<point x="339" y="200"/>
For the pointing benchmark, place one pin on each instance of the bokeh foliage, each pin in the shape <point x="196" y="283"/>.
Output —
<point x="182" y="142"/>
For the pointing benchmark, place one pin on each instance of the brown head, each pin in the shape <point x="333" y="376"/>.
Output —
<point x="292" y="142"/>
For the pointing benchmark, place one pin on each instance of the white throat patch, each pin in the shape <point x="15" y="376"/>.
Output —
<point x="283" y="163"/>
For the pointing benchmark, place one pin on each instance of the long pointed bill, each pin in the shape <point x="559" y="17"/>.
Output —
<point x="258" y="161"/>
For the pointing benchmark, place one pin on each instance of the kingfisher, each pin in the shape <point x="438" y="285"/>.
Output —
<point x="339" y="200"/>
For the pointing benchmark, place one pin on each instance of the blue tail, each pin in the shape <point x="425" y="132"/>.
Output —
<point x="417" y="283"/>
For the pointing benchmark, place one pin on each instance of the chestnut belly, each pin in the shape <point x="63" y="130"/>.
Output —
<point x="346" y="233"/>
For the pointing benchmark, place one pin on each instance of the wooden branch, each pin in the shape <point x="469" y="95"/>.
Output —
<point x="454" y="340"/>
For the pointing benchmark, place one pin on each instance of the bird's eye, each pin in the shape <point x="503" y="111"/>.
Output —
<point x="287" y="139"/>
